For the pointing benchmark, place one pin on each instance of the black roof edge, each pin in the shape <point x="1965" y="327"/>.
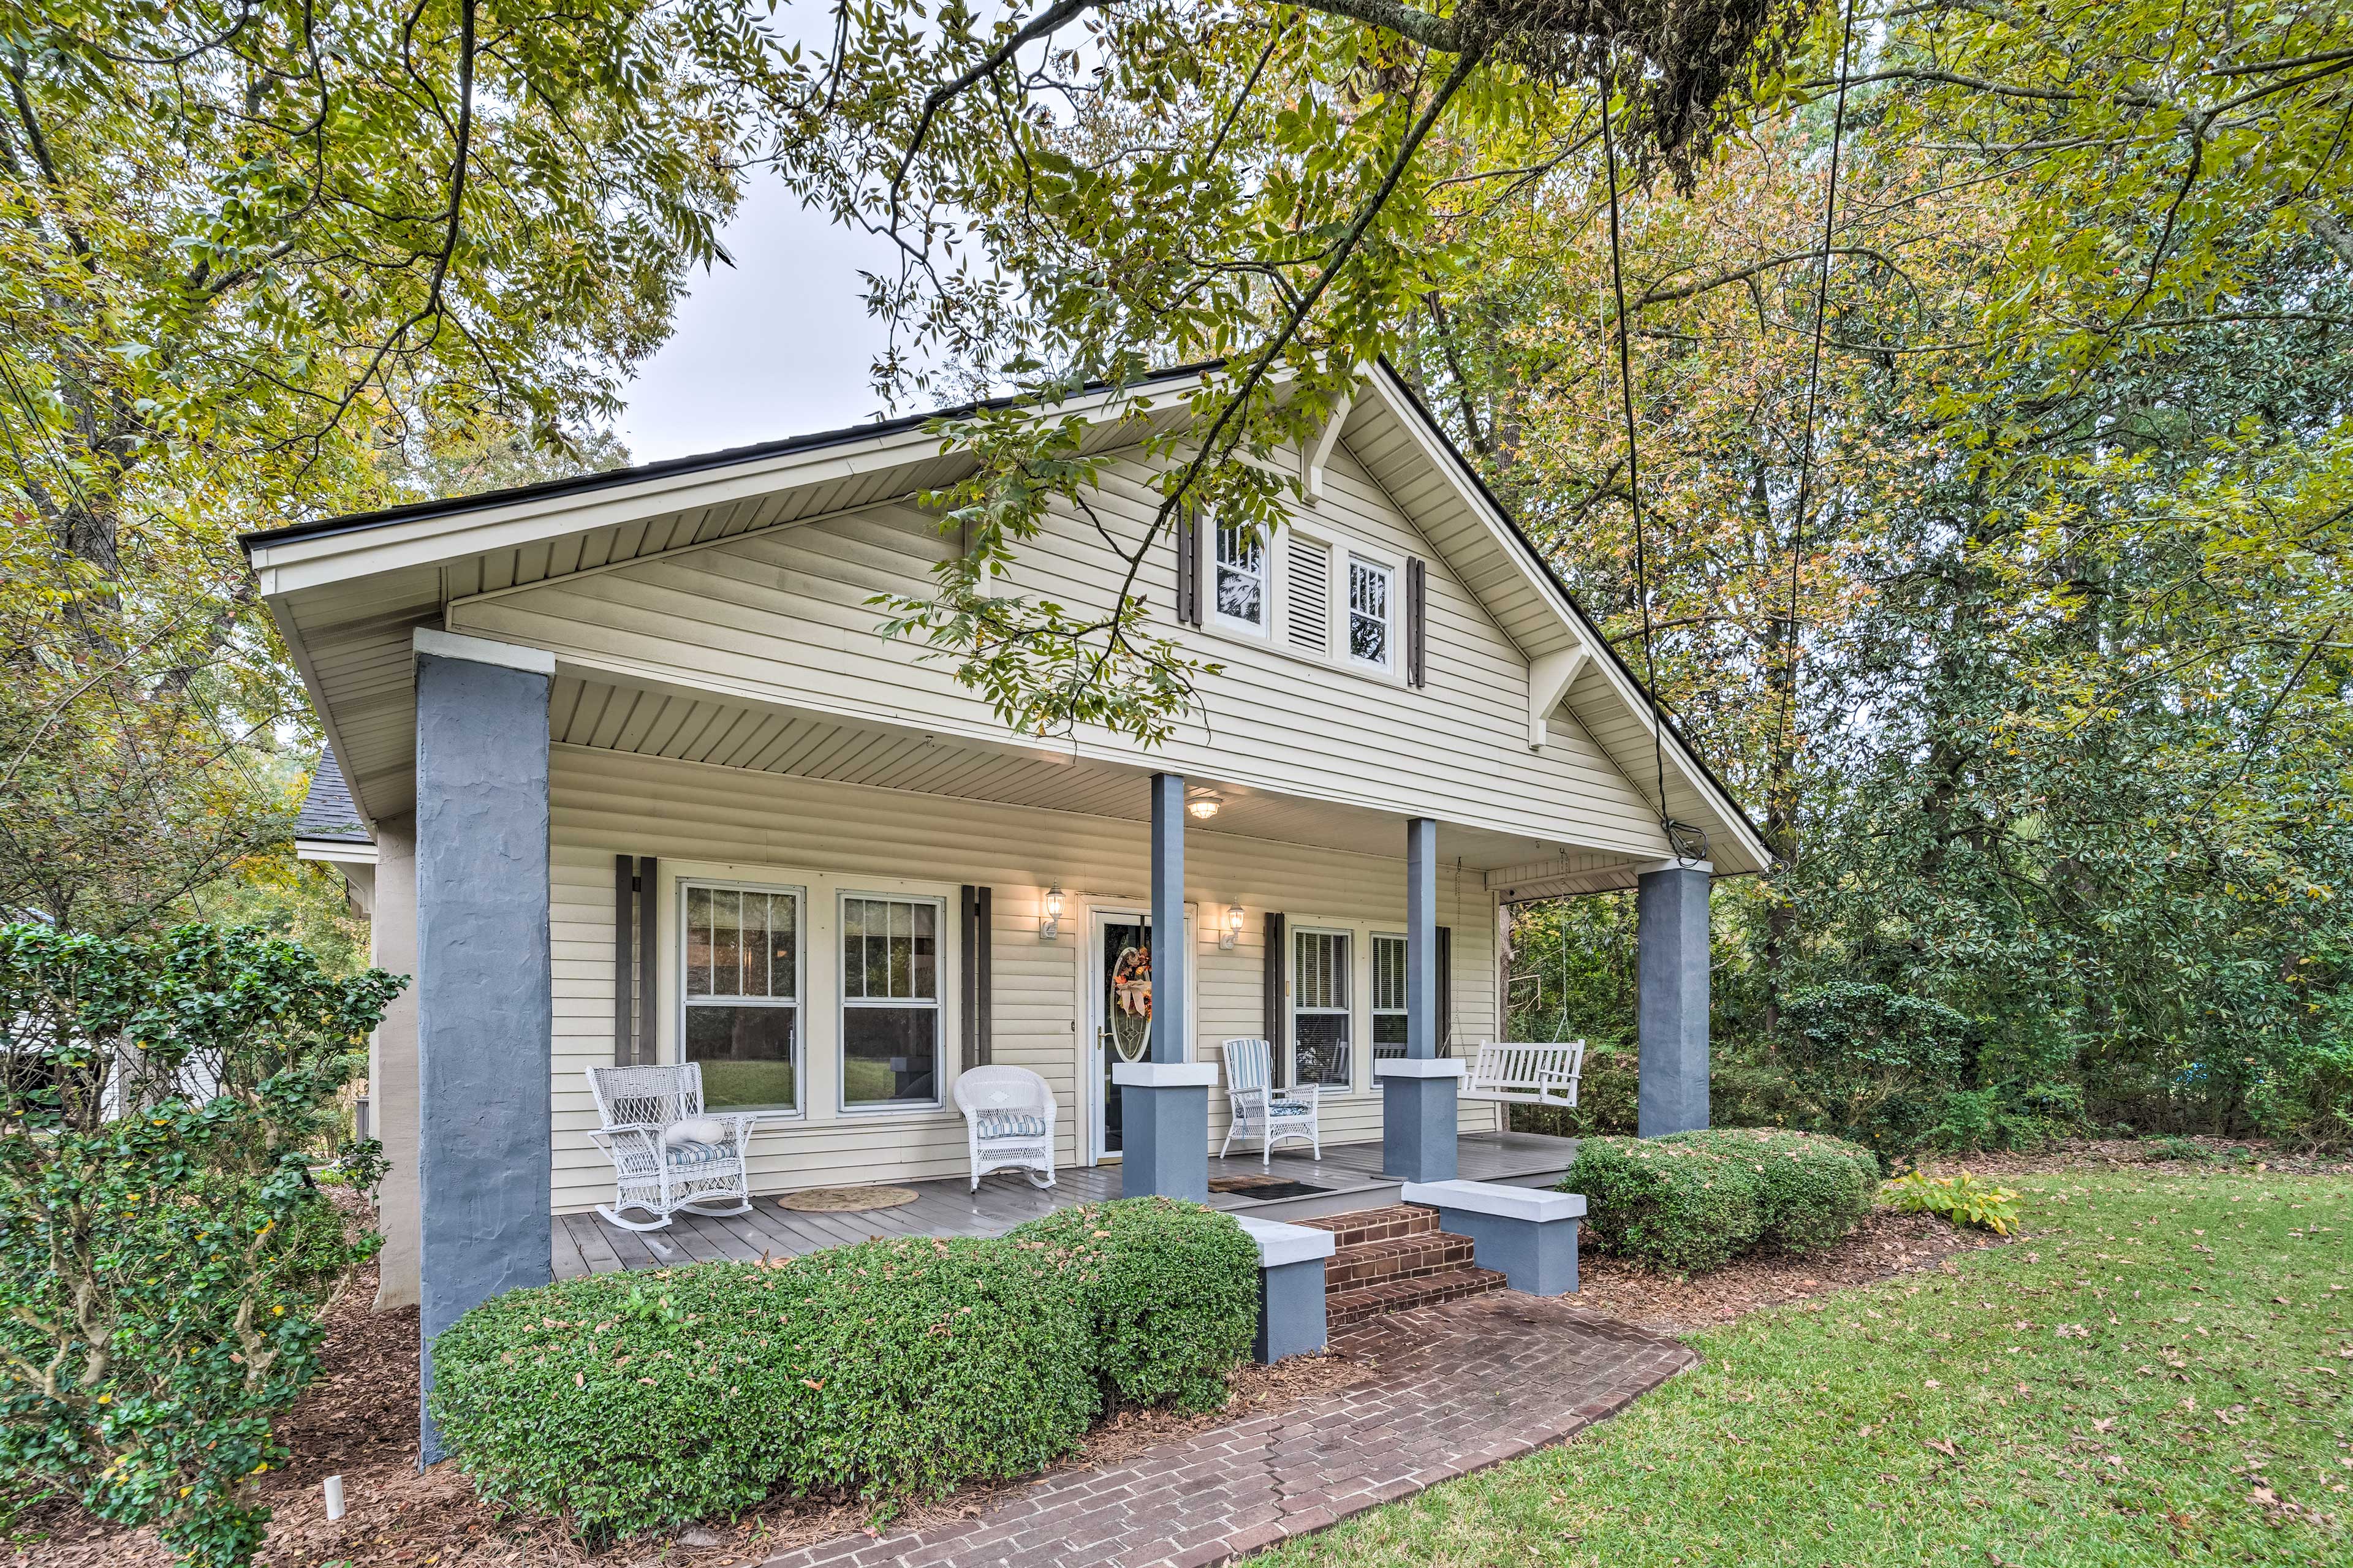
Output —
<point x="1536" y="558"/>
<point x="667" y="468"/>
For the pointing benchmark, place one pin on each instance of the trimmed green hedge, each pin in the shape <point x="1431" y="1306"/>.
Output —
<point x="631" y="1402"/>
<point x="1696" y="1201"/>
<point x="1170" y="1290"/>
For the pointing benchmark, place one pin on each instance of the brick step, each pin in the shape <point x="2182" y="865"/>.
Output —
<point x="1399" y="1258"/>
<point x="1376" y="1225"/>
<point x="1347" y="1308"/>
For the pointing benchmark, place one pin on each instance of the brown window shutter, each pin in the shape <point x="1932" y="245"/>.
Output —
<point x="976" y="988"/>
<point x="1417" y="622"/>
<point x="636" y="975"/>
<point x="1188" y="564"/>
<point x="1277" y="1019"/>
<point x="1445" y="990"/>
<point x="625" y="959"/>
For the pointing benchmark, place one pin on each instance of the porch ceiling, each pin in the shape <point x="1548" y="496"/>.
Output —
<point x="692" y="728"/>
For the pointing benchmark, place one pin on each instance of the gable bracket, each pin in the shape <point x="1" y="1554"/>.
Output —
<point x="1318" y="452"/>
<point x="1549" y="677"/>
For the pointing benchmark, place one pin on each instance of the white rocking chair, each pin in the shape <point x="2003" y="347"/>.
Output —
<point x="1259" y="1110"/>
<point x="667" y="1154"/>
<point x="1008" y="1115"/>
<point x="1514" y="1072"/>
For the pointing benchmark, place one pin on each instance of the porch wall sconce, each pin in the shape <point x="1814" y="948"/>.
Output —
<point x="1203" y="803"/>
<point x="1049" y="924"/>
<point x="1230" y="930"/>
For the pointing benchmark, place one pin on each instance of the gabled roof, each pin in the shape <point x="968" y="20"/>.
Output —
<point x="347" y="592"/>
<point x="328" y="816"/>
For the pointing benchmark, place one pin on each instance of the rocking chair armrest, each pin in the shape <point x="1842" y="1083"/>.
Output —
<point x="1306" y="1094"/>
<point x="740" y="1125"/>
<point x="625" y="1132"/>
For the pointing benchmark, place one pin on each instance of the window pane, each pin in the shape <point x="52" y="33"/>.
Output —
<point x="1321" y="1052"/>
<point x="1239" y="595"/>
<point x="889" y="1054"/>
<point x="755" y="946"/>
<point x="1369" y="612"/>
<point x="1320" y="970"/>
<point x="853" y="947"/>
<point x="746" y="1054"/>
<point x="1389" y="1029"/>
<point x="726" y="942"/>
<point x="1388" y="972"/>
<point x="926" y="950"/>
<point x="784" y="944"/>
<point x="697" y="941"/>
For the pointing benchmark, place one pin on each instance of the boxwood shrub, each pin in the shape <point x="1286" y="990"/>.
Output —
<point x="628" y="1401"/>
<point x="1696" y="1201"/>
<point x="1170" y="1292"/>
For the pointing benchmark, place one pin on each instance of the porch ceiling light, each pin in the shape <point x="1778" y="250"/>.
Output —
<point x="1204" y="804"/>
<point x="1049" y="924"/>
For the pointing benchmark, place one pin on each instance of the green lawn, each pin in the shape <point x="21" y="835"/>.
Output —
<point x="2155" y="1373"/>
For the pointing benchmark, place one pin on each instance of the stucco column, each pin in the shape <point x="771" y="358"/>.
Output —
<point x="484" y="990"/>
<point x="1164" y="1099"/>
<point x="1672" y="936"/>
<point x="392" y="1061"/>
<point x="1418" y="1125"/>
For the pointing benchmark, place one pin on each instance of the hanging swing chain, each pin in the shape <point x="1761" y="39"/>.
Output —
<point x="1813" y="384"/>
<point x="1633" y="462"/>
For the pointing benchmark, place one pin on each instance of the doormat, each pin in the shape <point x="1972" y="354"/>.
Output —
<point x="846" y="1200"/>
<point x="1264" y="1187"/>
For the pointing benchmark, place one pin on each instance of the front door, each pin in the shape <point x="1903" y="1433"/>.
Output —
<point x="1118" y="1015"/>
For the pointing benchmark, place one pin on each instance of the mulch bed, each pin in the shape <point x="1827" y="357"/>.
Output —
<point x="360" y="1420"/>
<point x="2216" y="1156"/>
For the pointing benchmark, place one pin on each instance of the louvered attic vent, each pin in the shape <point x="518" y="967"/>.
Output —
<point x="1307" y="595"/>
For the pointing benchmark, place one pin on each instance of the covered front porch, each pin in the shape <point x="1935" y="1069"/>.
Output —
<point x="1347" y="1178"/>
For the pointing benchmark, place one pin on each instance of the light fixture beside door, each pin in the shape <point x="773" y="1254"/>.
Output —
<point x="1049" y="924"/>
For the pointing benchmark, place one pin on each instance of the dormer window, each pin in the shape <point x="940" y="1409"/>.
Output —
<point x="1371" y="601"/>
<point x="1241" y="586"/>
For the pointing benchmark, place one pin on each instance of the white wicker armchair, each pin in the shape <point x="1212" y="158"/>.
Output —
<point x="1259" y="1110"/>
<point x="1008" y="1115"/>
<point x="667" y="1153"/>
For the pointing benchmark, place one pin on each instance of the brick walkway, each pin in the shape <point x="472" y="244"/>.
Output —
<point x="1460" y="1387"/>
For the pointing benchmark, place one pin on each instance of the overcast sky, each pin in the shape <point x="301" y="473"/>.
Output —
<point x="775" y="345"/>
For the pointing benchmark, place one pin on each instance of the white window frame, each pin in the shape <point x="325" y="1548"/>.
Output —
<point x="1348" y="937"/>
<point x="799" y="1001"/>
<point x="1374" y="1011"/>
<point x="1388" y="663"/>
<point x="1264" y="626"/>
<point x="943" y="982"/>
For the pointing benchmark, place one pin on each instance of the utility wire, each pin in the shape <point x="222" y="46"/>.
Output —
<point x="1813" y="387"/>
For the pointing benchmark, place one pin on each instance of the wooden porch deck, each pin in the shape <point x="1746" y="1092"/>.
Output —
<point x="1348" y="1177"/>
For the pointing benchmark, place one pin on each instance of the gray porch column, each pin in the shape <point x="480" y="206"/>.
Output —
<point x="1418" y="1126"/>
<point x="1672" y="939"/>
<point x="391" y="1062"/>
<point x="1164" y="1099"/>
<point x="484" y="1006"/>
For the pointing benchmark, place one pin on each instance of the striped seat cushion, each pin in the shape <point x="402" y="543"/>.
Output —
<point x="1288" y="1108"/>
<point x="1011" y="1125"/>
<point x="685" y="1153"/>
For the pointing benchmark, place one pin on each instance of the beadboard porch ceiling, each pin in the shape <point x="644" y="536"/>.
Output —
<point x="686" y="727"/>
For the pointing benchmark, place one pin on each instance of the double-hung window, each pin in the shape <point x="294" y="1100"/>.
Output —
<point x="1388" y="997"/>
<point x="1371" y="600"/>
<point x="1319" y="1009"/>
<point x="889" y="1000"/>
<point x="742" y="993"/>
<point x="1242" y="597"/>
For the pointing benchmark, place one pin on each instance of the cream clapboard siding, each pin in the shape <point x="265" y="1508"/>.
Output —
<point x="761" y="828"/>
<point x="782" y="617"/>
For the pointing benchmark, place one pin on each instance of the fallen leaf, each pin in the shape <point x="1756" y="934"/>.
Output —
<point x="1944" y="1446"/>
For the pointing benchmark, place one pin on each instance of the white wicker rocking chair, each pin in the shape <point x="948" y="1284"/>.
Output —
<point x="1008" y="1115"/>
<point x="667" y="1153"/>
<point x="1259" y="1110"/>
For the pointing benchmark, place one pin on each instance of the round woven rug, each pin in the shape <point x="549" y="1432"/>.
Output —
<point x="846" y="1200"/>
